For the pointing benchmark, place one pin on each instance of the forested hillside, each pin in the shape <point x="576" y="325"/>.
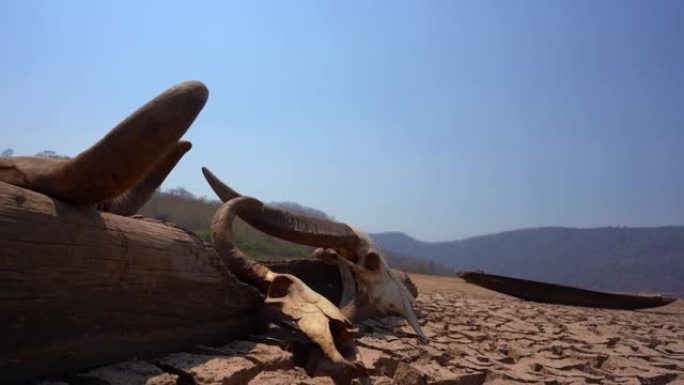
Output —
<point x="193" y="213"/>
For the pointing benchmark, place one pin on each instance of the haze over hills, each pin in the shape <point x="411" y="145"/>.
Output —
<point x="649" y="259"/>
<point x="609" y="258"/>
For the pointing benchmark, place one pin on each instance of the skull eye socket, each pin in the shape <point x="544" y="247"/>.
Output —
<point x="279" y="287"/>
<point x="372" y="261"/>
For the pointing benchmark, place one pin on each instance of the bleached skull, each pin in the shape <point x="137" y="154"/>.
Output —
<point x="375" y="279"/>
<point x="384" y="290"/>
<point x="313" y="314"/>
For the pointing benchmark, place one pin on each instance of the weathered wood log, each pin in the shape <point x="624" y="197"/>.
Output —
<point x="563" y="295"/>
<point x="79" y="287"/>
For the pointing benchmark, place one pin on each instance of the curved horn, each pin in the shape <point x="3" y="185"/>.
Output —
<point x="223" y="239"/>
<point x="132" y="200"/>
<point x="222" y="191"/>
<point x="120" y="159"/>
<point x="289" y="226"/>
<point x="313" y="313"/>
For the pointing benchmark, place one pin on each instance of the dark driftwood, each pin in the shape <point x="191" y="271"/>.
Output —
<point x="79" y="287"/>
<point x="563" y="295"/>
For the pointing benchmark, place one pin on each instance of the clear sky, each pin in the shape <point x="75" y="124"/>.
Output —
<point x="442" y="119"/>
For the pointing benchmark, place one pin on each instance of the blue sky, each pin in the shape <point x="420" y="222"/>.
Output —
<point x="442" y="119"/>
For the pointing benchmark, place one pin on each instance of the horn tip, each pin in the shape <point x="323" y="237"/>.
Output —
<point x="195" y="90"/>
<point x="184" y="146"/>
<point x="224" y="192"/>
<point x="194" y="85"/>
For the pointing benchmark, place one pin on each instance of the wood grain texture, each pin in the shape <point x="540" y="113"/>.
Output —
<point x="79" y="287"/>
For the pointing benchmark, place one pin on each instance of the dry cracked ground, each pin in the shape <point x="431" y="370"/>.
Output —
<point x="475" y="337"/>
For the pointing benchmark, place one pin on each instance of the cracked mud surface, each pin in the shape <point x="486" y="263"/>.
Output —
<point x="476" y="337"/>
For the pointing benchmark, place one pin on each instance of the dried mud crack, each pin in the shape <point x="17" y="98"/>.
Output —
<point x="476" y="337"/>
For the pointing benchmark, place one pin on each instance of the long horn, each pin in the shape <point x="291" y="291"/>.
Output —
<point x="289" y="226"/>
<point x="223" y="239"/>
<point x="132" y="200"/>
<point x="314" y="314"/>
<point x="120" y="159"/>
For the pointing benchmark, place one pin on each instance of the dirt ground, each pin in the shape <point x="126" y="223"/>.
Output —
<point x="475" y="337"/>
<point x="512" y="340"/>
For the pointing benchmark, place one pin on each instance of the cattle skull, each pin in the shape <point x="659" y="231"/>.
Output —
<point x="348" y="247"/>
<point x="314" y="314"/>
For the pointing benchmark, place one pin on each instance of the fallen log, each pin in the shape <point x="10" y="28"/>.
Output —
<point x="563" y="295"/>
<point x="80" y="287"/>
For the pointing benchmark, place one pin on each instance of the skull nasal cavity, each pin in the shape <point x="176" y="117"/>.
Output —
<point x="372" y="261"/>
<point x="280" y="287"/>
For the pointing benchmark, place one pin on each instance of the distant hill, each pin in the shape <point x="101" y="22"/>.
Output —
<point x="417" y="264"/>
<point x="403" y="243"/>
<point x="195" y="213"/>
<point x="610" y="258"/>
<point x="192" y="213"/>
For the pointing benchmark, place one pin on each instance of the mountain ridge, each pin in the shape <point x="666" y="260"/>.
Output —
<point x="614" y="258"/>
<point x="605" y="258"/>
